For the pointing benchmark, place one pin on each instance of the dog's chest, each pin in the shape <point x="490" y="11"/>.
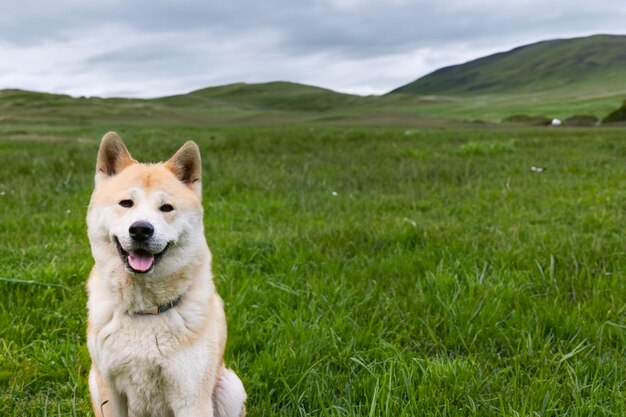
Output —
<point x="137" y="358"/>
<point x="145" y="386"/>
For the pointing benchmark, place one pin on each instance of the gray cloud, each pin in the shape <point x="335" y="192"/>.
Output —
<point x="151" y="48"/>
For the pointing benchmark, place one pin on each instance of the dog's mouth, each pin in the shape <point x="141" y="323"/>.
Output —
<point x="139" y="260"/>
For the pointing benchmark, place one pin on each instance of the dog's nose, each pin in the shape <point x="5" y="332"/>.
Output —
<point x="141" y="230"/>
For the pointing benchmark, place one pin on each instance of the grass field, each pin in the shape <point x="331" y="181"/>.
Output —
<point x="365" y="271"/>
<point x="496" y="107"/>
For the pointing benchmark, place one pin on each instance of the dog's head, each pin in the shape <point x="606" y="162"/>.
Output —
<point x="146" y="219"/>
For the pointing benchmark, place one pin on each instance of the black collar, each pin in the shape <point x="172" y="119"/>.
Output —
<point x="156" y="310"/>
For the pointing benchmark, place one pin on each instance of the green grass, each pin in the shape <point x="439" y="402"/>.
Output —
<point x="444" y="278"/>
<point x="496" y="107"/>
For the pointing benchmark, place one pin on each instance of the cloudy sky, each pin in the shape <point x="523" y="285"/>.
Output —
<point x="149" y="48"/>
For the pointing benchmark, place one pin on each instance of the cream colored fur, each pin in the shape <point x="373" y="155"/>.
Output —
<point x="170" y="364"/>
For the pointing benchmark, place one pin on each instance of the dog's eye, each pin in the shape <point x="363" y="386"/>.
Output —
<point x="166" y="208"/>
<point x="126" y="203"/>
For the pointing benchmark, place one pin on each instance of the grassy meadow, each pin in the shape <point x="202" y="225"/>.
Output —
<point x="365" y="271"/>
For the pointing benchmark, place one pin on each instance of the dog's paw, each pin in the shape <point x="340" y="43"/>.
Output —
<point x="229" y="395"/>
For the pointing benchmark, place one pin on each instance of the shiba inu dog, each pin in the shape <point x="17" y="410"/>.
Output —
<point x="156" y="330"/>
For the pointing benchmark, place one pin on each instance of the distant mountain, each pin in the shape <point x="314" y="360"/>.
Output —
<point x="594" y="62"/>
<point x="276" y="95"/>
<point x="234" y="104"/>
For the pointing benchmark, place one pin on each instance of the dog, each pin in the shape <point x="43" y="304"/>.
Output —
<point x="156" y="330"/>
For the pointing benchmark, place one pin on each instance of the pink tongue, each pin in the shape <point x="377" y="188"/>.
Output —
<point x="140" y="261"/>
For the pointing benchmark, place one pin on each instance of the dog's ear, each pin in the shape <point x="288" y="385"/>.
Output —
<point x="186" y="165"/>
<point x="112" y="156"/>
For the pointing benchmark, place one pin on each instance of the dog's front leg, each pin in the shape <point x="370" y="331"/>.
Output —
<point x="191" y="399"/>
<point x="203" y="408"/>
<point x="119" y="406"/>
<point x="106" y="402"/>
<point x="116" y="405"/>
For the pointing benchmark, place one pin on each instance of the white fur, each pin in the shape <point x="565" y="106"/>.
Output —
<point x="229" y="394"/>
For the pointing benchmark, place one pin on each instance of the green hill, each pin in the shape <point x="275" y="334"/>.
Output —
<point x="595" y="63"/>
<point x="236" y="104"/>
<point x="267" y="96"/>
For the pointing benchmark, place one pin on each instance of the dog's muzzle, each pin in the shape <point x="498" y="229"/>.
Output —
<point x="140" y="260"/>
